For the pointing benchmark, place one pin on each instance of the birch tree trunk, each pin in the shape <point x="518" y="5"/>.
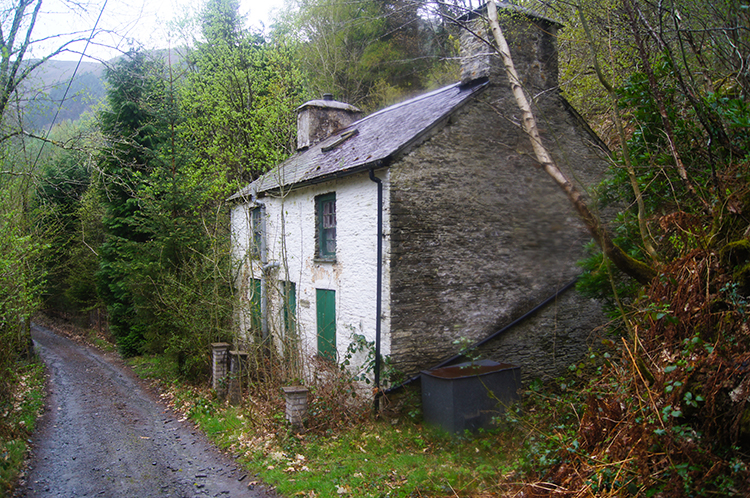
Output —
<point x="628" y="265"/>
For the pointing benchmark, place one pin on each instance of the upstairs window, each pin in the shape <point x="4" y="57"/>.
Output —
<point x="325" y="206"/>
<point x="256" y="227"/>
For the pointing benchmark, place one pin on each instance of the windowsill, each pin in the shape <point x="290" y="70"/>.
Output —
<point x="319" y="259"/>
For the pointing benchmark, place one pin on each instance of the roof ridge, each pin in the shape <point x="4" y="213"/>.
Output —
<point x="405" y="102"/>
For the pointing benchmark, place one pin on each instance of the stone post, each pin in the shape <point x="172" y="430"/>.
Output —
<point x="237" y="367"/>
<point x="220" y="360"/>
<point x="296" y="405"/>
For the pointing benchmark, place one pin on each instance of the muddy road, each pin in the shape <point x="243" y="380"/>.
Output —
<point x="105" y="434"/>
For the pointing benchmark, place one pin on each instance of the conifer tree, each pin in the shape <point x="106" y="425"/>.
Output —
<point x="130" y="126"/>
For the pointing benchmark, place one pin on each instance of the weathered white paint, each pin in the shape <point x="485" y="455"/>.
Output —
<point x="290" y="226"/>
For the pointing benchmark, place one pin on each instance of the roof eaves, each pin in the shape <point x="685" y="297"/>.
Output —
<point x="380" y="163"/>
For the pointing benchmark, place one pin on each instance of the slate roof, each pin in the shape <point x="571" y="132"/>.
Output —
<point x="371" y="142"/>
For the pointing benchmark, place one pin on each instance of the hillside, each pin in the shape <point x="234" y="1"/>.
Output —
<point x="46" y="89"/>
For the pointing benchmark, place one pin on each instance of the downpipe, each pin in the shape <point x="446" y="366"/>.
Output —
<point x="379" y="287"/>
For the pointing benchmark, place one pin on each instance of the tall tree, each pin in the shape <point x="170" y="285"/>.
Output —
<point x="133" y="133"/>
<point x="21" y="250"/>
<point x="164" y="265"/>
<point x="239" y="98"/>
<point x="369" y="53"/>
<point x="636" y="269"/>
<point x="59" y="193"/>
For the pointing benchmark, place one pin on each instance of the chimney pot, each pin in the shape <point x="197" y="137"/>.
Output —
<point x="319" y="119"/>
<point x="532" y="42"/>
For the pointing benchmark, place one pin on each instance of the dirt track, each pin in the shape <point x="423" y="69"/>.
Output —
<point x="105" y="434"/>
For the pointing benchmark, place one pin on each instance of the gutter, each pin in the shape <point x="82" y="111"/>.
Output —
<point x="379" y="285"/>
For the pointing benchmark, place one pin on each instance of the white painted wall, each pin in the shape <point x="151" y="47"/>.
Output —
<point x="290" y="240"/>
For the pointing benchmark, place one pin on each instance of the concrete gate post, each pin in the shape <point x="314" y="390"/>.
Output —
<point x="237" y="369"/>
<point x="220" y="367"/>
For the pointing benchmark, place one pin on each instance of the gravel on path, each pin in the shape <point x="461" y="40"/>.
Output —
<point x="104" y="433"/>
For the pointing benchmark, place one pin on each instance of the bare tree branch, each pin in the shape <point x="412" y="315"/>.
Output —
<point x="645" y="238"/>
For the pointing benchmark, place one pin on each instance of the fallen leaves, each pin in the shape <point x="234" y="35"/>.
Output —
<point x="343" y="490"/>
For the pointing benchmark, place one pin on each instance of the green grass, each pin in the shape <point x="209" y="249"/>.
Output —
<point x="378" y="459"/>
<point x="393" y="457"/>
<point x="102" y="344"/>
<point x="19" y="421"/>
<point x="154" y="367"/>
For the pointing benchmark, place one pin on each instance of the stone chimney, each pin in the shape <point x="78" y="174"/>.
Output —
<point x="532" y="41"/>
<point x="319" y="119"/>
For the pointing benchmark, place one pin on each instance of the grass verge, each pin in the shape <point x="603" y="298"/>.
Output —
<point x="377" y="457"/>
<point x="573" y="436"/>
<point x="19" y="418"/>
<point x="598" y="431"/>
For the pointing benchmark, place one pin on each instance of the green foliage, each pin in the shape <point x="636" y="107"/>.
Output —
<point x="238" y="99"/>
<point x="361" y="352"/>
<point x="18" y="421"/>
<point x="81" y="291"/>
<point x="71" y="258"/>
<point x="130" y="124"/>
<point x="467" y="349"/>
<point x="21" y="283"/>
<point x="370" y="53"/>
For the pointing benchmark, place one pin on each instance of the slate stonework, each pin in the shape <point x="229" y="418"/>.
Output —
<point x="480" y="234"/>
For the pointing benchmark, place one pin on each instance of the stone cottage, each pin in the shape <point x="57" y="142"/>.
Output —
<point x="428" y="222"/>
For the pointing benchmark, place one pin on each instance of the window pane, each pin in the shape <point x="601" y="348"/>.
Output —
<point x="326" y="213"/>
<point x="330" y="236"/>
<point x="329" y="214"/>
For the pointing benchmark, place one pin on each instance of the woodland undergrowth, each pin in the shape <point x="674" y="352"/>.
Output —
<point x="662" y="409"/>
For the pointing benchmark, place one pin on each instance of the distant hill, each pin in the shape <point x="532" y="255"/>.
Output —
<point x="46" y="87"/>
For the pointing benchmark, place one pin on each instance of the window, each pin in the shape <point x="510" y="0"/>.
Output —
<point x="256" y="226"/>
<point x="325" y="206"/>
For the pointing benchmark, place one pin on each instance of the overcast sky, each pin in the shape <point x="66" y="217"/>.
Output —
<point x="145" y="21"/>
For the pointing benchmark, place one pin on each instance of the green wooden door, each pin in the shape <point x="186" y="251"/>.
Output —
<point x="326" y="307"/>
<point x="256" y="322"/>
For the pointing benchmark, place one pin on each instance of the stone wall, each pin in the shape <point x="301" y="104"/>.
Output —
<point x="532" y="46"/>
<point x="480" y="235"/>
<point x="551" y="339"/>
